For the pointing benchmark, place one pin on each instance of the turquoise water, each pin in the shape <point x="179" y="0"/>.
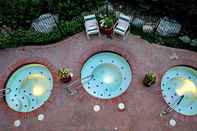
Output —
<point x="111" y="75"/>
<point x="177" y="82"/>
<point x="30" y="86"/>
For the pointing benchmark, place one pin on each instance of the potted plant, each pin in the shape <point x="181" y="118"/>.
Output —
<point x="65" y="74"/>
<point x="106" y="24"/>
<point x="149" y="79"/>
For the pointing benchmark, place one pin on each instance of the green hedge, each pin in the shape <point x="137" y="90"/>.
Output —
<point x="67" y="9"/>
<point x="71" y="27"/>
<point x="15" y="13"/>
<point x="22" y="37"/>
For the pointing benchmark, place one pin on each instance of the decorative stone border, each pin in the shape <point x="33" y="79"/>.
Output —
<point x="11" y="68"/>
<point x="178" y="62"/>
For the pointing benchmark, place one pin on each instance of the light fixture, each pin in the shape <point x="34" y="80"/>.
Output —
<point x="17" y="123"/>
<point x="108" y="79"/>
<point x="187" y="88"/>
<point x="172" y="122"/>
<point x="41" y="117"/>
<point x="121" y="106"/>
<point x="38" y="90"/>
<point x="96" y="108"/>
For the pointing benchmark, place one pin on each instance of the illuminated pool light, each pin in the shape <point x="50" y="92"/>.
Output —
<point x="108" y="79"/>
<point x="186" y="88"/>
<point x="38" y="90"/>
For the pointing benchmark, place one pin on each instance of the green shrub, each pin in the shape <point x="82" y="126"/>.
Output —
<point x="107" y="22"/>
<point x="68" y="9"/>
<point x="71" y="27"/>
<point x="20" y="13"/>
<point x="14" y="13"/>
<point x="23" y="37"/>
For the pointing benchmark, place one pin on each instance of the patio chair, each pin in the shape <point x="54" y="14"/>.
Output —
<point x="91" y="25"/>
<point x="122" y="26"/>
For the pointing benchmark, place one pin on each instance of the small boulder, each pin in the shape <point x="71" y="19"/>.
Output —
<point x="185" y="39"/>
<point x="194" y="42"/>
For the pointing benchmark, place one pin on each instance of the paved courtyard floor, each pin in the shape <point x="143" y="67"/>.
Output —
<point x="66" y="112"/>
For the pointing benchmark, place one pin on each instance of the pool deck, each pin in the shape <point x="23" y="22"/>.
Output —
<point x="66" y="112"/>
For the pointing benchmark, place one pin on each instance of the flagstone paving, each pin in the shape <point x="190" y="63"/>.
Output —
<point x="66" y="112"/>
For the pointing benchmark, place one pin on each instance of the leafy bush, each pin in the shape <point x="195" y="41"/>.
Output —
<point x="68" y="9"/>
<point x="14" y="13"/>
<point x="71" y="27"/>
<point x="107" y="22"/>
<point x="23" y="37"/>
<point x="20" y="13"/>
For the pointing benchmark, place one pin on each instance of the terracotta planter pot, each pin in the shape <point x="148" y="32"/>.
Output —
<point x="108" y="31"/>
<point x="67" y="79"/>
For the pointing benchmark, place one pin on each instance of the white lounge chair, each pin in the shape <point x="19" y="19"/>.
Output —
<point x="122" y="26"/>
<point x="91" y="25"/>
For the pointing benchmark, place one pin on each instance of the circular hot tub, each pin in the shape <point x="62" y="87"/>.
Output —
<point x="29" y="87"/>
<point x="179" y="89"/>
<point x="110" y="75"/>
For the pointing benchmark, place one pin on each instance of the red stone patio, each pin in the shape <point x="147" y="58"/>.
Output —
<point x="65" y="112"/>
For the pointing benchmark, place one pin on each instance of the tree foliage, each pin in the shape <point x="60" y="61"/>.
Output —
<point x="15" y="13"/>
